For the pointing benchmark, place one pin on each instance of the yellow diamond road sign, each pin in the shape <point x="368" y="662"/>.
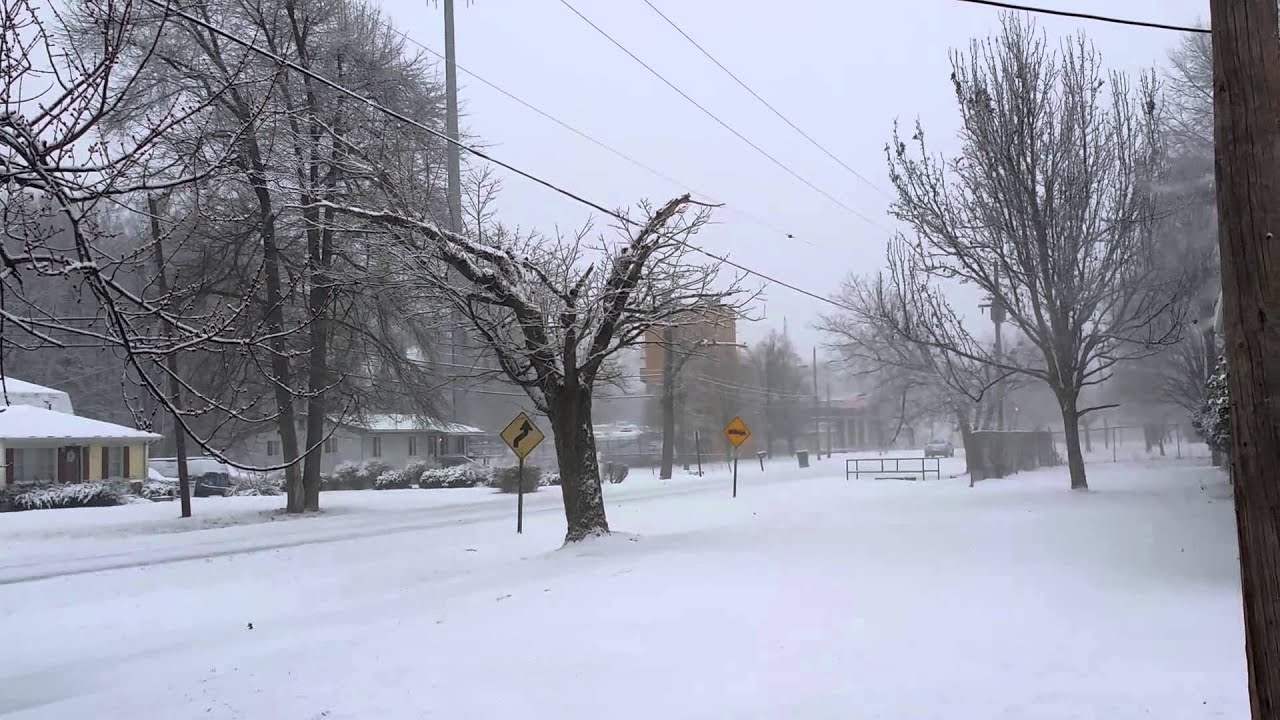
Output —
<point x="522" y="436"/>
<point x="737" y="432"/>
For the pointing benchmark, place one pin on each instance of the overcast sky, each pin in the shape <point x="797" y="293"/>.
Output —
<point x="841" y="70"/>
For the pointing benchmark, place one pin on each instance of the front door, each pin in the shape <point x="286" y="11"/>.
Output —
<point x="69" y="460"/>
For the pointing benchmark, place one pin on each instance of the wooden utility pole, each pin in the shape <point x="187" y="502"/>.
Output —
<point x="453" y="166"/>
<point x="1246" y="99"/>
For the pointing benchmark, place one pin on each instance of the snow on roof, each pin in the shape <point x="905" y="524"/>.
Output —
<point x="14" y="386"/>
<point x="412" y="423"/>
<point x="23" y="422"/>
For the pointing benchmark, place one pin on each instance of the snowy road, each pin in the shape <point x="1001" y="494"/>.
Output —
<point x="228" y="527"/>
<point x="807" y="597"/>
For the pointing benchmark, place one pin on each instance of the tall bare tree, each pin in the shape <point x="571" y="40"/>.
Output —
<point x="1049" y="208"/>
<point x="877" y="336"/>
<point x="335" y="310"/>
<point x="554" y="311"/>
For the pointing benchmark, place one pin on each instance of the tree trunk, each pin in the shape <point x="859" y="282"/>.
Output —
<point x="966" y="440"/>
<point x="171" y="364"/>
<point x="286" y="418"/>
<point x="668" y="404"/>
<point x="1071" y="434"/>
<point x="579" y="466"/>
<point x="1247" y="140"/>
<point x="668" y="431"/>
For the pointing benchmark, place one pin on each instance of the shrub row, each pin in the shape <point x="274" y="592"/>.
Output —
<point x="57" y="497"/>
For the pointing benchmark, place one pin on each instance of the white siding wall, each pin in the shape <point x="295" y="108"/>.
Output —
<point x="349" y="445"/>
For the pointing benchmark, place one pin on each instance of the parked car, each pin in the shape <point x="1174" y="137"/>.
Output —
<point x="209" y="476"/>
<point x="939" y="448"/>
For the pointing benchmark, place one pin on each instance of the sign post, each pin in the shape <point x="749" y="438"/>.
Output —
<point x="737" y="432"/>
<point x="522" y="436"/>
<point x="697" y="446"/>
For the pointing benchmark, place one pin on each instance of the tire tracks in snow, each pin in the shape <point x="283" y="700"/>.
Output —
<point x="481" y="512"/>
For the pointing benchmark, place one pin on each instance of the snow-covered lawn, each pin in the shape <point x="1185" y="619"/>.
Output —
<point x="807" y="597"/>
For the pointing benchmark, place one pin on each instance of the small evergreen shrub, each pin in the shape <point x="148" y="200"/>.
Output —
<point x="413" y="471"/>
<point x="159" y="490"/>
<point x="458" y="476"/>
<point x="391" y="480"/>
<point x="1213" y="422"/>
<point x="260" y="484"/>
<point x="507" y="479"/>
<point x="359" y="476"/>
<point x="77" y="495"/>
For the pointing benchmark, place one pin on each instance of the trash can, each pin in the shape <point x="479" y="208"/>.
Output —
<point x="803" y="457"/>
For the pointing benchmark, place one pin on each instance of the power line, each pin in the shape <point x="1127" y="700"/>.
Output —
<point x="584" y="135"/>
<point x="764" y="102"/>
<point x="375" y="105"/>
<point x="716" y="118"/>
<point x="1087" y="16"/>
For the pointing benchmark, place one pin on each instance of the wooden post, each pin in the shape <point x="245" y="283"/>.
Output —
<point x="697" y="446"/>
<point x="1246" y="99"/>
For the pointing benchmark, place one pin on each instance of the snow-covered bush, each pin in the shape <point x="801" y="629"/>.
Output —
<point x="615" y="473"/>
<point x="414" y="470"/>
<point x="391" y="480"/>
<point x="77" y="495"/>
<point x="1213" y="422"/>
<point x="359" y="476"/>
<point x="258" y="484"/>
<point x="507" y="479"/>
<point x="159" y="490"/>
<point x="550" y="479"/>
<point x="459" y="476"/>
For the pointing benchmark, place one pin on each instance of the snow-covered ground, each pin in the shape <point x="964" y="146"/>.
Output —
<point x="808" y="596"/>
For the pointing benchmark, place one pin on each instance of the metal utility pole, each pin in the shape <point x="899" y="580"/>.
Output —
<point x="454" y="169"/>
<point x="1246" y="103"/>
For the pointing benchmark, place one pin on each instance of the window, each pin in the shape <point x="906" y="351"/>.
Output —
<point x="273" y="448"/>
<point x="413" y="446"/>
<point x="377" y="446"/>
<point x="330" y="446"/>
<point x="35" y="465"/>
<point x="115" y="463"/>
<point x="459" y="443"/>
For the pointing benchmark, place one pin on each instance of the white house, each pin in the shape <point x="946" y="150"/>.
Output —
<point x="20" y="392"/>
<point x="396" y="440"/>
<point x="45" y="446"/>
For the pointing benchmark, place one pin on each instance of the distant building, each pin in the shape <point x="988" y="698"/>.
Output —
<point x="848" y="424"/>
<point x="713" y="323"/>
<point x="396" y="440"/>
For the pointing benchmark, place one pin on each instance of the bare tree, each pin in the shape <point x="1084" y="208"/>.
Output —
<point x="72" y="181"/>
<point x="1048" y="208"/>
<point x="877" y="336"/>
<point x="335" y="312"/>
<point x="553" y="312"/>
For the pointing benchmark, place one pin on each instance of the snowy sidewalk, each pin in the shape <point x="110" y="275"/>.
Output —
<point x="807" y="597"/>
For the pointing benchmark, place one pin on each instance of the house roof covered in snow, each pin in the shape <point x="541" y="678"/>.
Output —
<point x="23" y="422"/>
<point x="15" y="386"/>
<point x="21" y="392"/>
<point x="412" y="423"/>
